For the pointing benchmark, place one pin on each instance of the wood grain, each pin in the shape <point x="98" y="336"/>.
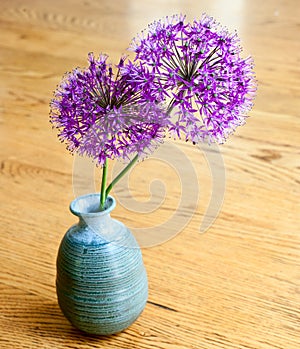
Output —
<point x="235" y="287"/>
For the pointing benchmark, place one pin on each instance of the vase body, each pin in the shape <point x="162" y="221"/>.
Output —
<point x="101" y="281"/>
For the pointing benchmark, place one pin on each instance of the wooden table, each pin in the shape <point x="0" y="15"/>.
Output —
<point x="235" y="286"/>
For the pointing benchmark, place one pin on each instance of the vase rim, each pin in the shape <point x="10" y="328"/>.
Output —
<point x="88" y="205"/>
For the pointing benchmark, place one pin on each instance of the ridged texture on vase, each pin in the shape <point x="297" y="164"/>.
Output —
<point x="101" y="284"/>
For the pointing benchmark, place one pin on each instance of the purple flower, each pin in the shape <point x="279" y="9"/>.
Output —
<point x="103" y="115"/>
<point x="124" y="132"/>
<point x="196" y="67"/>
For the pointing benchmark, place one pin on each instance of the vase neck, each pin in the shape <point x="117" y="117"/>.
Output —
<point x="96" y="220"/>
<point x="86" y="208"/>
<point x="89" y="205"/>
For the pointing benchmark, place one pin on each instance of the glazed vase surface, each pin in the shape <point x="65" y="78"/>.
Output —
<point x="101" y="281"/>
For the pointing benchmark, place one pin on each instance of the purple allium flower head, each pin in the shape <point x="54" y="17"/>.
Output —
<point x="102" y="115"/>
<point x="123" y="132"/>
<point x="198" y="69"/>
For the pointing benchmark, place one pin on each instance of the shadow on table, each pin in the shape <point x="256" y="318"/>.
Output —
<point x="46" y="324"/>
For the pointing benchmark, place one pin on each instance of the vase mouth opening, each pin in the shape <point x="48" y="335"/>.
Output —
<point x="89" y="205"/>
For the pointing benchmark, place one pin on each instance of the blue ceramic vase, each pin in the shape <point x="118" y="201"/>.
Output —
<point x="101" y="281"/>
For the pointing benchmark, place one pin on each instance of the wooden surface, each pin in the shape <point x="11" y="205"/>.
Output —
<point x="235" y="286"/>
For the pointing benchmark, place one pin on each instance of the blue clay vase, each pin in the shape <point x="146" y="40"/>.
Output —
<point x="101" y="281"/>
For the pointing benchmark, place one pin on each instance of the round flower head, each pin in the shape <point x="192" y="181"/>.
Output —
<point x="102" y="115"/>
<point x="124" y="132"/>
<point x="196" y="67"/>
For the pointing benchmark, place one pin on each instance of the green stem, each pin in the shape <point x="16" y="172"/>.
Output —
<point x="121" y="174"/>
<point x="103" y="194"/>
